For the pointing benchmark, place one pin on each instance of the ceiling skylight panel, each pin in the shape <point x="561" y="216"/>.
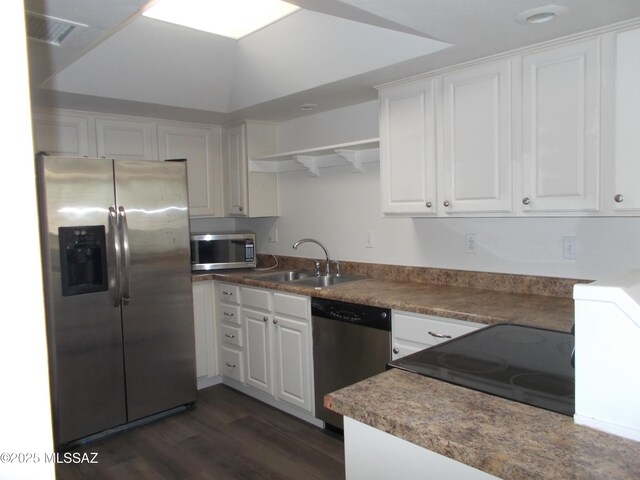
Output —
<point x="230" y="18"/>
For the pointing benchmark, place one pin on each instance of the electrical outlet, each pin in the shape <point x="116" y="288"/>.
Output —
<point x="369" y="241"/>
<point x="470" y="243"/>
<point x="273" y="236"/>
<point x="570" y="248"/>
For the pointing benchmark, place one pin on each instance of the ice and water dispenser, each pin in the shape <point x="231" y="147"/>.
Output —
<point x="83" y="259"/>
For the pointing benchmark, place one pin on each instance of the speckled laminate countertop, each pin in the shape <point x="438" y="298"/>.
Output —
<point x="463" y="303"/>
<point x="504" y="438"/>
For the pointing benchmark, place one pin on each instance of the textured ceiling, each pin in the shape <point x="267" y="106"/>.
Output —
<point x="330" y="53"/>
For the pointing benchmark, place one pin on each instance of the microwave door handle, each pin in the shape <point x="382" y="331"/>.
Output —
<point x="114" y="237"/>
<point x="126" y="251"/>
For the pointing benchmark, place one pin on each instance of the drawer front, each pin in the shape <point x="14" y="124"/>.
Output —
<point x="232" y="364"/>
<point x="256" y="298"/>
<point x="292" y="305"/>
<point x="428" y="330"/>
<point x="231" y="335"/>
<point x="228" y="293"/>
<point x="229" y="313"/>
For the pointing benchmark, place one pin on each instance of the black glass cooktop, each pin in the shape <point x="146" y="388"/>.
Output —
<point x="526" y="364"/>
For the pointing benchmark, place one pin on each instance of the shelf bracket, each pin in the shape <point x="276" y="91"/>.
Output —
<point x="310" y="163"/>
<point x="352" y="158"/>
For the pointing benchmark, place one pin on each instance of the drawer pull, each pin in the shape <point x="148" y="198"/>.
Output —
<point x="395" y="350"/>
<point x="229" y="365"/>
<point x="227" y="293"/>
<point x="229" y="336"/>
<point x="439" y="335"/>
<point x="227" y="314"/>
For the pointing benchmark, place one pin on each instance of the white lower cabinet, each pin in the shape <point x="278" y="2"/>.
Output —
<point x="264" y="339"/>
<point x="277" y="329"/>
<point x="228" y="316"/>
<point x="412" y="332"/>
<point x="205" y="333"/>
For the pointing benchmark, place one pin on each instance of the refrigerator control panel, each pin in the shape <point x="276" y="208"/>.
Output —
<point x="83" y="259"/>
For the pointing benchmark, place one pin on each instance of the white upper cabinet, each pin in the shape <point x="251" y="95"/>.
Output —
<point x="126" y="139"/>
<point x="549" y="130"/>
<point x="408" y="148"/>
<point x="235" y="170"/>
<point x="625" y="194"/>
<point x="200" y="146"/>
<point x="248" y="194"/>
<point x="63" y="134"/>
<point x="476" y="159"/>
<point x="561" y="129"/>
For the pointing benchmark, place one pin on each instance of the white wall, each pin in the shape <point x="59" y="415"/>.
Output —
<point x="25" y="413"/>
<point x="340" y="206"/>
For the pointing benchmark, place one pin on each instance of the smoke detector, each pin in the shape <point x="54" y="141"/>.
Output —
<point x="51" y="30"/>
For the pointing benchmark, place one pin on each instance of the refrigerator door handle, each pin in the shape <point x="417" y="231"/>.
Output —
<point x="126" y="271"/>
<point x="114" y="280"/>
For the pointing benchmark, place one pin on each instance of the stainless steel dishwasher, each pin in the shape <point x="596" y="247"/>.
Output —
<point x="351" y="342"/>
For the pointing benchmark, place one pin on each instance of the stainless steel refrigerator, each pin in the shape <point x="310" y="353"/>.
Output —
<point x="117" y="272"/>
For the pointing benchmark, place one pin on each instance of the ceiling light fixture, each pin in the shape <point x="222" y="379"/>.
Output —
<point x="540" y="14"/>
<point x="229" y="18"/>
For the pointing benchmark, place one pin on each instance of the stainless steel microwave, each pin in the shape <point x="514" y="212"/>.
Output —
<point x="218" y="251"/>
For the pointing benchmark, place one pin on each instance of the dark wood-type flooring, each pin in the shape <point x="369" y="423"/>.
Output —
<point x="227" y="436"/>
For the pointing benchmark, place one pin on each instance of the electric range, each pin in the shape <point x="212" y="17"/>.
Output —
<point x="530" y="365"/>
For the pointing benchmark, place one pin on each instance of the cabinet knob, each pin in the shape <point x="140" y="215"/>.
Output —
<point x="446" y="203"/>
<point x="395" y="350"/>
<point x="265" y="319"/>
<point x="275" y="321"/>
<point x="526" y="201"/>
<point x="428" y="204"/>
<point x="619" y="198"/>
<point x="241" y="209"/>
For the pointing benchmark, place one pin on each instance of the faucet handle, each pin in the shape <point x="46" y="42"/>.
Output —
<point x="337" y="264"/>
<point x="316" y="264"/>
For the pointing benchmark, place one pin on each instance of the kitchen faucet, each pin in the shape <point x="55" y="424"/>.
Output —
<point x="326" y="253"/>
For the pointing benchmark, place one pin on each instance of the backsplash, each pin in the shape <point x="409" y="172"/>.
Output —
<point x="529" y="284"/>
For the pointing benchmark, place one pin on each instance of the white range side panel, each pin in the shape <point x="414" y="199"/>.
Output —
<point x="607" y="330"/>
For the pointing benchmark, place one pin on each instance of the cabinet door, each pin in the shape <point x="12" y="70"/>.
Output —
<point x="626" y="195"/>
<point x="476" y="174"/>
<point x="561" y="129"/>
<point x="408" y="149"/>
<point x="292" y="361"/>
<point x="203" y="317"/>
<point x="257" y="350"/>
<point x="126" y="139"/>
<point x="234" y="160"/>
<point x="200" y="147"/>
<point x="64" y="135"/>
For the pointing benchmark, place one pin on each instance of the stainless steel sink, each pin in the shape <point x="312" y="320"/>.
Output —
<point x="283" y="277"/>
<point x="301" y="277"/>
<point x="328" y="280"/>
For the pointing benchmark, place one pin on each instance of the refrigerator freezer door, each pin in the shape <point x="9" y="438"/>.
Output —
<point x="157" y="308"/>
<point x="83" y="325"/>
